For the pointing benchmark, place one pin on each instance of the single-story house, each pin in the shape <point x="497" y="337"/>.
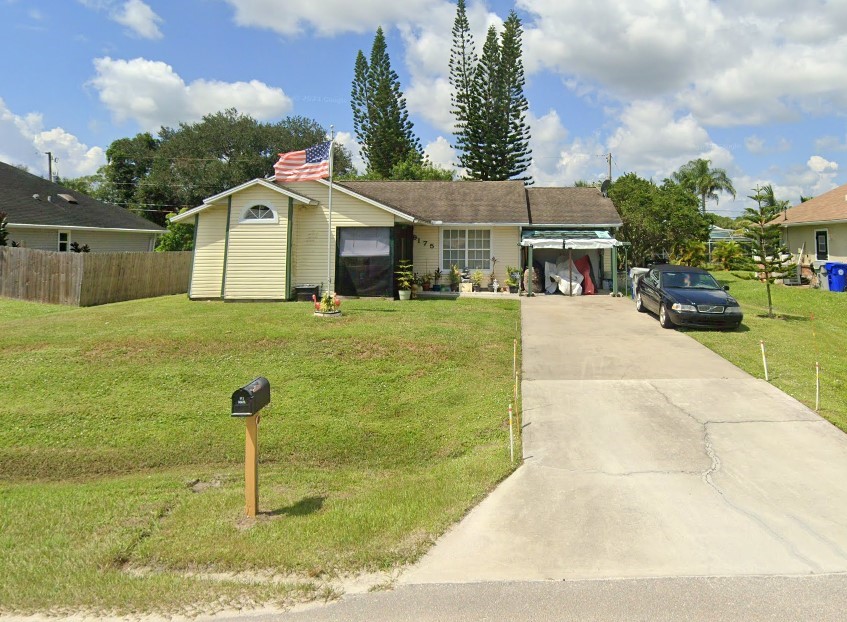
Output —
<point x="816" y="230"/>
<point x="46" y="216"/>
<point x="263" y="239"/>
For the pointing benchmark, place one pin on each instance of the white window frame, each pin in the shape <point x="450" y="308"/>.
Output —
<point x="826" y="233"/>
<point x="246" y="220"/>
<point x="59" y="241"/>
<point x="464" y="265"/>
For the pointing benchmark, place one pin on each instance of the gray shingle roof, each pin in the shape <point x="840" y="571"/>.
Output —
<point x="17" y="188"/>
<point x="571" y="206"/>
<point x="491" y="202"/>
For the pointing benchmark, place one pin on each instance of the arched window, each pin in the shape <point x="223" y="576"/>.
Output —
<point x="259" y="214"/>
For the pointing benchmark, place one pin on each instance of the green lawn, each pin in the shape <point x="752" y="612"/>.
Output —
<point x="121" y="471"/>
<point x="793" y="341"/>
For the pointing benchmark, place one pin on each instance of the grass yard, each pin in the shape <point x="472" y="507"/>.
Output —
<point x="121" y="471"/>
<point x="793" y="341"/>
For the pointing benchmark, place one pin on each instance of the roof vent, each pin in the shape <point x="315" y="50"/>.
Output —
<point x="49" y="198"/>
<point x="68" y="198"/>
<point x="37" y="197"/>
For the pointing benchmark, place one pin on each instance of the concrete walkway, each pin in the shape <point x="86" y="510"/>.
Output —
<point x="646" y="455"/>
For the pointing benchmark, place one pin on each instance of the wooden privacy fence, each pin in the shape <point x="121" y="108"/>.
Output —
<point x="87" y="279"/>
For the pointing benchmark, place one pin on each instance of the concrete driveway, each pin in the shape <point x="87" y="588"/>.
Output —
<point x="646" y="455"/>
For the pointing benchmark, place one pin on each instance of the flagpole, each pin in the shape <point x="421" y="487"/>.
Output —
<point x="329" y="233"/>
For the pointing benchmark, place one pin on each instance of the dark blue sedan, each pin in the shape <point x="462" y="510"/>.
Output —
<point x="683" y="296"/>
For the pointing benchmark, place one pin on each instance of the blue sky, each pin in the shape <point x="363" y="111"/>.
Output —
<point x="759" y="87"/>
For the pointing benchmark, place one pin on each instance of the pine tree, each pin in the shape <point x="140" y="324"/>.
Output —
<point x="462" y="67"/>
<point x="490" y="111"/>
<point x="379" y="112"/>
<point x="361" y="103"/>
<point x="516" y="106"/>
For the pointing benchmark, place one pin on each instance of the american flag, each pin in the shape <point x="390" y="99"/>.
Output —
<point x="313" y="163"/>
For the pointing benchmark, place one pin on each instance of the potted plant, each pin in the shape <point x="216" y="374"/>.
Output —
<point x="405" y="278"/>
<point x="328" y="305"/>
<point x="512" y="279"/>
<point x="455" y="278"/>
<point x="436" y="276"/>
<point x="476" y="279"/>
<point x="492" y="280"/>
<point x="427" y="282"/>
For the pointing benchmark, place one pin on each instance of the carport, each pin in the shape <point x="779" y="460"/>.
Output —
<point x="570" y="240"/>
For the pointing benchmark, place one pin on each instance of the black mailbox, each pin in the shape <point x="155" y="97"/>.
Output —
<point x="251" y="398"/>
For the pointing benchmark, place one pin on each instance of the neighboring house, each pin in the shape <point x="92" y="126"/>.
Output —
<point x="47" y="216"/>
<point x="262" y="239"/>
<point x="816" y="230"/>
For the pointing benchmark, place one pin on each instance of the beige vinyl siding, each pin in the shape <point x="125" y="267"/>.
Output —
<point x="208" y="270"/>
<point x="504" y="246"/>
<point x="255" y="261"/>
<point x="795" y="237"/>
<point x="98" y="241"/>
<point x="426" y="259"/>
<point x="310" y="228"/>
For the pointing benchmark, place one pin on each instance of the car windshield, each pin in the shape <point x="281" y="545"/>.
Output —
<point x="690" y="280"/>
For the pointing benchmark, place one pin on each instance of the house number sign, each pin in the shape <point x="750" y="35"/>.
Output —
<point x="424" y="242"/>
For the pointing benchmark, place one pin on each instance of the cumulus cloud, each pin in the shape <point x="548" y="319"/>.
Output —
<point x="23" y="140"/>
<point x="441" y="153"/>
<point x="152" y="94"/>
<point x="135" y="15"/>
<point x="139" y="18"/>
<point x="328" y="17"/>
<point x="821" y="165"/>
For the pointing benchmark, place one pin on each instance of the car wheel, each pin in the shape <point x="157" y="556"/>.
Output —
<point x="639" y="304"/>
<point x="664" y="319"/>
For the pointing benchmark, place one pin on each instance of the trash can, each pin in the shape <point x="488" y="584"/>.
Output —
<point x="634" y="273"/>
<point x="837" y="274"/>
<point x="823" y="278"/>
<point x="304" y="292"/>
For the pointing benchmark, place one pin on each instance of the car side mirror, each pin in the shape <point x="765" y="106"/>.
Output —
<point x="726" y="288"/>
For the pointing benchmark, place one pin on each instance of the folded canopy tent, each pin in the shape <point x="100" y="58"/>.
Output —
<point x="576" y="239"/>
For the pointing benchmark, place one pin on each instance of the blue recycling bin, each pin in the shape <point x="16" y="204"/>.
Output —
<point x="837" y="276"/>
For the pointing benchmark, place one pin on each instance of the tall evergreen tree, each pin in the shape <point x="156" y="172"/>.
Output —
<point x="512" y="73"/>
<point x="490" y="111"/>
<point x="379" y="112"/>
<point x="462" y="67"/>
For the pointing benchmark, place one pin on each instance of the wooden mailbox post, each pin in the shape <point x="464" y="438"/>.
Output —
<point x="247" y="402"/>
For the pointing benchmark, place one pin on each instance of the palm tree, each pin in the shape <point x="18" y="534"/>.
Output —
<point x="705" y="182"/>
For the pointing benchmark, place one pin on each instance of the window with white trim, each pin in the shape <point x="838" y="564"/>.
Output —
<point x="64" y="241"/>
<point x="259" y="214"/>
<point x="466" y="248"/>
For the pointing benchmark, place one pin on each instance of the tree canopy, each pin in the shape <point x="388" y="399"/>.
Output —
<point x="157" y="175"/>
<point x="380" y="120"/>
<point x="704" y="181"/>
<point x="657" y="220"/>
<point x="488" y="102"/>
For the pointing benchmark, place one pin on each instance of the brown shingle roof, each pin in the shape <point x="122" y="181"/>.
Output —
<point x="828" y="207"/>
<point x="491" y="202"/>
<point x="571" y="206"/>
<point x="450" y="201"/>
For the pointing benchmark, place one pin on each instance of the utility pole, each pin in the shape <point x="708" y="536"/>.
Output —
<point x="609" y="160"/>
<point x="49" y="165"/>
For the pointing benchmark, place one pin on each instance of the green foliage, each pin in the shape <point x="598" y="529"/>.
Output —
<point x="4" y="232"/>
<point x="413" y="168"/>
<point x="182" y="166"/>
<point x="178" y="237"/>
<point x="770" y="255"/>
<point x="724" y="222"/>
<point x="380" y="119"/>
<point x="76" y="248"/>
<point x="488" y="101"/>
<point x="698" y="177"/>
<point x="656" y="219"/>
<point x="693" y="253"/>
<point x="93" y="186"/>
<point x="405" y="274"/>
<point x="728" y="255"/>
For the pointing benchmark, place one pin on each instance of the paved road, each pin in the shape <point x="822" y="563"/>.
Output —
<point x="660" y="482"/>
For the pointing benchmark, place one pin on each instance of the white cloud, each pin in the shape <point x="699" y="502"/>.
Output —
<point x="347" y="140"/>
<point x="441" y="153"/>
<point x="23" y="140"/>
<point x="152" y="94"/>
<point x="821" y="165"/>
<point x="139" y="18"/>
<point x="136" y="15"/>
<point x="430" y="99"/>
<point x="328" y="17"/>
<point x="831" y="143"/>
